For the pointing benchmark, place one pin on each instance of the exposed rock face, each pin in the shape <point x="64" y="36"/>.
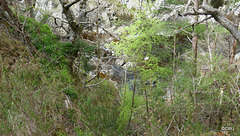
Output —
<point x="108" y="16"/>
<point x="237" y="57"/>
<point x="113" y="70"/>
<point x="119" y="62"/>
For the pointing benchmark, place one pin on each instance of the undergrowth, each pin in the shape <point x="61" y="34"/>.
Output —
<point x="43" y="97"/>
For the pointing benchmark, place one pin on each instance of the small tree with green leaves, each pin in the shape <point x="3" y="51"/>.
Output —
<point x="146" y="43"/>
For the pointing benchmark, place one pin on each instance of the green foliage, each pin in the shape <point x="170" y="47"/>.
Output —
<point x="234" y="1"/>
<point x="119" y="22"/>
<point x="126" y="106"/>
<point x="29" y="96"/>
<point x="58" y="53"/>
<point x="80" y="132"/>
<point x="205" y="90"/>
<point x="221" y="29"/>
<point x="176" y="2"/>
<point x="44" y="40"/>
<point x="200" y="30"/>
<point x="145" y="38"/>
<point x="217" y="3"/>
<point x="71" y="93"/>
<point x="125" y="16"/>
<point x="86" y="51"/>
<point x="44" y="19"/>
<point x="99" y="109"/>
<point x="163" y="9"/>
<point x="34" y="97"/>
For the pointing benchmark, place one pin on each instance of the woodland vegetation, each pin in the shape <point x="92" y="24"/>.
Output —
<point x="182" y="79"/>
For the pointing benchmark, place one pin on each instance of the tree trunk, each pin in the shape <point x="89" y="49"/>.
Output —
<point x="233" y="51"/>
<point x="194" y="47"/>
<point x="194" y="41"/>
<point x="133" y="96"/>
<point x="75" y="28"/>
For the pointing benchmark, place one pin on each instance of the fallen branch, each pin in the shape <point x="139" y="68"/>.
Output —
<point x="92" y="78"/>
<point x="96" y="74"/>
<point x="98" y="82"/>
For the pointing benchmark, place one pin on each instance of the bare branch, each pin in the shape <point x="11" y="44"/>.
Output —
<point x="61" y="25"/>
<point x="92" y="78"/>
<point x="186" y="7"/>
<point x="98" y="26"/>
<point x="196" y="23"/>
<point x="91" y="10"/>
<point x="70" y="4"/>
<point x="220" y="18"/>
<point x="194" y="12"/>
<point x="98" y="82"/>
<point x="236" y="9"/>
